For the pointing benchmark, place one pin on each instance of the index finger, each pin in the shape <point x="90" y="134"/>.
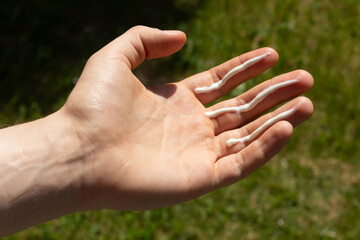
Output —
<point x="249" y="65"/>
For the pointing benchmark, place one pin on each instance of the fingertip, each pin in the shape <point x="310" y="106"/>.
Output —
<point x="273" y="52"/>
<point x="282" y="131"/>
<point x="172" y="41"/>
<point x="303" y="110"/>
<point x="142" y="42"/>
<point x="176" y="33"/>
<point x="306" y="78"/>
<point x="273" y="56"/>
<point x="305" y="107"/>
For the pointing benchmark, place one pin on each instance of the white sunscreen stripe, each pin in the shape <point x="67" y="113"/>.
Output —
<point x="260" y="129"/>
<point x="248" y="106"/>
<point x="231" y="73"/>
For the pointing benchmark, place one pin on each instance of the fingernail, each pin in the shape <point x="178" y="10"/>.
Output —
<point x="172" y="32"/>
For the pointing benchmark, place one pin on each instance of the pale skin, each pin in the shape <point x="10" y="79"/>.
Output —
<point x="117" y="144"/>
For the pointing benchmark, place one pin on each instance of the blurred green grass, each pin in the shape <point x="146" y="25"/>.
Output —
<point x="309" y="191"/>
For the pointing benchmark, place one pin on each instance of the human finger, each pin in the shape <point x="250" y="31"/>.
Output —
<point x="242" y="109"/>
<point x="141" y="42"/>
<point x="233" y="141"/>
<point x="218" y="81"/>
<point x="237" y="166"/>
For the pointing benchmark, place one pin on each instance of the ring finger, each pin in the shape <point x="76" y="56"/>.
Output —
<point x="233" y="141"/>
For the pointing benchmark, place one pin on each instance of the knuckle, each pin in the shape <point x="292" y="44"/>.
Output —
<point x="271" y="82"/>
<point x="239" y="100"/>
<point x="244" y="132"/>
<point x="240" y="59"/>
<point x="215" y="75"/>
<point x="140" y="28"/>
<point x="240" y="162"/>
<point x="220" y="151"/>
<point x="264" y="155"/>
<point x="92" y="59"/>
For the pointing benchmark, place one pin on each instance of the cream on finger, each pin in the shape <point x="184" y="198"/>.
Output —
<point x="231" y="73"/>
<point x="262" y="128"/>
<point x="249" y="106"/>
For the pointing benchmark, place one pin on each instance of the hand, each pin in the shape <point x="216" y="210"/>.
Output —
<point x="148" y="148"/>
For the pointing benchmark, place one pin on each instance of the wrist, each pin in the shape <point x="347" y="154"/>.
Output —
<point x="81" y="147"/>
<point x="40" y="172"/>
<point x="65" y="158"/>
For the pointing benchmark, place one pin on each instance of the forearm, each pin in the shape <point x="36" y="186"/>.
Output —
<point x="40" y="173"/>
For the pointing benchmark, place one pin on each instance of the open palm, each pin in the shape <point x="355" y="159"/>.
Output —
<point x="148" y="148"/>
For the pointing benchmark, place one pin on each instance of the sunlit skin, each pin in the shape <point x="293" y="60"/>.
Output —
<point x="156" y="147"/>
<point x="123" y="146"/>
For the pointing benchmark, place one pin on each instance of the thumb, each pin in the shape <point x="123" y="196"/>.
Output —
<point x="140" y="43"/>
